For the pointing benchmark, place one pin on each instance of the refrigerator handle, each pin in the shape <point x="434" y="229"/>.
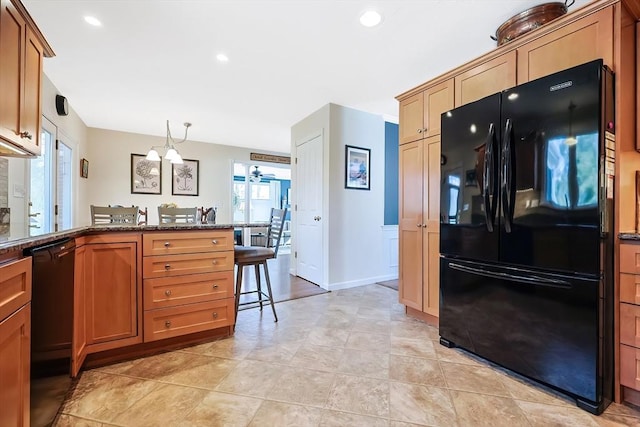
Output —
<point x="532" y="279"/>
<point x="486" y="175"/>
<point x="506" y="176"/>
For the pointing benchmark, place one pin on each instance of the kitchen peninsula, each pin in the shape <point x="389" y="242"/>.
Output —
<point x="136" y="290"/>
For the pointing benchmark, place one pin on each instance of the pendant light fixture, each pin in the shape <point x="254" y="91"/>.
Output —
<point x="170" y="151"/>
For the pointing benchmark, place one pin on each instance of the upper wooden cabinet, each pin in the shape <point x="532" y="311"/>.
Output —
<point x="420" y="113"/>
<point x="486" y="79"/>
<point x="581" y="41"/>
<point x="22" y="48"/>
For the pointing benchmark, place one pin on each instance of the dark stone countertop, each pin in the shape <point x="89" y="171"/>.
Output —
<point x="629" y="236"/>
<point x="29" y="242"/>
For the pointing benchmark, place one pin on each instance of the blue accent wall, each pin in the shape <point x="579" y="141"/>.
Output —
<point x="391" y="148"/>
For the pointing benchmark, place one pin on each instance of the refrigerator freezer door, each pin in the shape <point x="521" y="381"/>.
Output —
<point x="551" y="151"/>
<point x="539" y="325"/>
<point x="469" y="185"/>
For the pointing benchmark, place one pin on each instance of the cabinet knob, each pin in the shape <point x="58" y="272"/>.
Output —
<point x="215" y="261"/>
<point x="167" y="293"/>
<point x="215" y="286"/>
<point x="419" y="225"/>
<point x="424" y="225"/>
<point x="215" y="315"/>
<point x="167" y="266"/>
<point x="166" y="244"/>
<point x="26" y="135"/>
<point x="167" y="323"/>
<point x="419" y="130"/>
<point x="214" y="241"/>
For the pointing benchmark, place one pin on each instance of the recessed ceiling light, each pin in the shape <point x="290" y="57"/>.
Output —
<point x="92" y="20"/>
<point x="370" y="18"/>
<point x="222" y="57"/>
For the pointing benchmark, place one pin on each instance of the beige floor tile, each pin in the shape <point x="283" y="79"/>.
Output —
<point x="330" y="337"/>
<point x="623" y="409"/>
<point x="368" y="342"/>
<point x="303" y="386"/>
<point x="366" y="396"/>
<point x="320" y="358"/>
<point x="616" y="420"/>
<point x="481" y="410"/>
<point x="375" y="313"/>
<point x="373" y="326"/>
<point x="270" y="351"/>
<point x="166" y="406"/>
<point x="541" y="415"/>
<point x="229" y="348"/>
<point x="342" y="419"/>
<point x="101" y="396"/>
<point x="71" y="421"/>
<point x="365" y="364"/>
<point x="413" y="347"/>
<point x="285" y="415"/>
<point x="522" y="389"/>
<point x="476" y="379"/>
<point x="251" y="378"/>
<point x="456" y="355"/>
<point x="414" y="330"/>
<point x="415" y="370"/>
<point x="394" y="423"/>
<point x="424" y="405"/>
<point x="222" y="409"/>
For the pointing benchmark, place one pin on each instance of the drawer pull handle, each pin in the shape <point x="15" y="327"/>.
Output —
<point x="215" y="261"/>
<point x="215" y="286"/>
<point x="167" y="292"/>
<point x="166" y="244"/>
<point x="215" y="315"/>
<point x="167" y="266"/>
<point x="167" y="323"/>
<point x="214" y="241"/>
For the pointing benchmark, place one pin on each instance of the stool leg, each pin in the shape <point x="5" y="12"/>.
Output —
<point x="257" y="267"/>
<point x="266" y="275"/>
<point x="238" y="288"/>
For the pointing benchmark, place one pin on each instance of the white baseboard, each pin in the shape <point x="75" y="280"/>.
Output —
<point x="361" y="282"/>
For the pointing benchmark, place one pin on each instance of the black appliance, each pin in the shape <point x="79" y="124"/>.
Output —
<point x="526" y="264"/>
<point x="51" y="328"/>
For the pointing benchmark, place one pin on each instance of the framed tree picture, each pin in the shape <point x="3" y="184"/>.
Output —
<point x="184" y="178"/>
<point x="358" y="168"/>
<point x="146" y="175"/>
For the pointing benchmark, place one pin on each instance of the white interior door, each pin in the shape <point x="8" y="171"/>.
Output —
<point x="309" y="235"/>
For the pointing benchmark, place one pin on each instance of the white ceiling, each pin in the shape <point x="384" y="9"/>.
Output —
<point x="154" y="60"/>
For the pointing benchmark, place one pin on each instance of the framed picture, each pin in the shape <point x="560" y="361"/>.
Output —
<point x="84" y="168"/>
<point x="146" y="175"/>
<point x="470" y="178"/>
<point x="358" y="168"/>
<point x="184" y="178"/>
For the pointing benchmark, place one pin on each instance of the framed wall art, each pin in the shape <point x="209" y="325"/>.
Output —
<point x="358" y="168"/>
<point x="146" y="175"/>
<point x="84" y="168"/>
<point x="184" y="178"/>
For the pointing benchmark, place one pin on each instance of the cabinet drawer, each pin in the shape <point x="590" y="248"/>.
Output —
<point x="186" y="319"/>
<point x="630" y="288"/>
<point x="15" y="286"/>
<point x="630" y="367"/>
<point x="192" y="288"/>
<point x="175" y="265"/>
<point x="630" y="259"/>
<point x="187" y="242"/>
<point x="630" y="324"/>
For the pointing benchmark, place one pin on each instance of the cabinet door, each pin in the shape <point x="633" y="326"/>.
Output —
<point x="581" y="41"/>
<point x="15" y="354"/>
<point x="486" y="79"/>
<point x="79" y="340"/>
<point x="437" y="100"/>
<point x="30" y="115"/>
<point x="410" y="218"/>
<point x="12" y="27"/>
<point x="411" y="118"/>
<point x="431" y="237"/>
<point x="111" y="292"/>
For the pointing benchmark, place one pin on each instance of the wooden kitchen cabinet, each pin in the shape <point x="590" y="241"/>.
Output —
<point x="584" y="40"/>
<point x="112" y="291"/>
<point x="420" y="113"/>
<point x="15" y="342"/>
<point x="419" y="270"/>
<point x="486" y="79"/>
<point x="22" y="49"/>
<point x="79" y="337"/>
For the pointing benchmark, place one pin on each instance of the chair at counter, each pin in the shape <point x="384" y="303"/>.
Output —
<point x="114" y="215"/>
<point x="177" y="215"/>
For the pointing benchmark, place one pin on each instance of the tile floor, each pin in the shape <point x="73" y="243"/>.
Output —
<point x="346" y="358"/>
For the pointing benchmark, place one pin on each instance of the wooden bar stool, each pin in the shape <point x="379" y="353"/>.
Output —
<point x="257" y="256"/>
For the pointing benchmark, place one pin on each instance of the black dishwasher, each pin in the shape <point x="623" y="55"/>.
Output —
<point x="51" y="328"/>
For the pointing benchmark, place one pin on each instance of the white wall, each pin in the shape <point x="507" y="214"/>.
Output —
<point x="109" y="179"/>
<point x="353" y="227"/>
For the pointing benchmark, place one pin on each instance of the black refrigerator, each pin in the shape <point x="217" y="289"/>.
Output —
<point x="526" y="245"/>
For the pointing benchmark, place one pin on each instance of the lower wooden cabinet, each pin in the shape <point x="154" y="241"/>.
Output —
<point x="15" y="357"/>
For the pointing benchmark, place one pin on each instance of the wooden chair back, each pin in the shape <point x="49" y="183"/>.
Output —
<point x="276" y="226"/>
<point x="177" y="215"/>
<point x="114" y="215"/>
